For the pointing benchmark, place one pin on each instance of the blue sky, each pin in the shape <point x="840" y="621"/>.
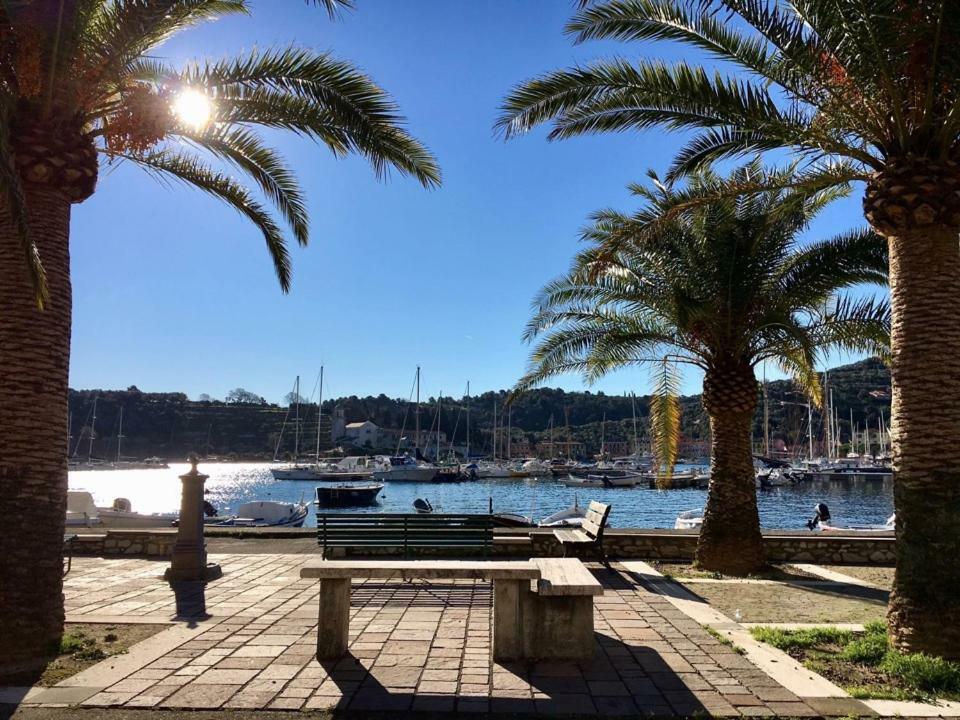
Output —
<point x="174" y="291"/>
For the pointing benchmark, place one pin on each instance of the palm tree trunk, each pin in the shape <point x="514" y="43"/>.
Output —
<point x="34" y="366"/>
<point x="925" y="429"/>
<point x="730" y="540"/>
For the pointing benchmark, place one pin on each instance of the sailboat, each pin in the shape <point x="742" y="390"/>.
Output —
<point x="349" y="468"/>
<point x="405" y="468"/>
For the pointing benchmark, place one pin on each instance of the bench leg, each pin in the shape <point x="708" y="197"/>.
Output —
<point x="558" y="628"/>
<point x="508" y="619"/>
<point x="333" y="626"/>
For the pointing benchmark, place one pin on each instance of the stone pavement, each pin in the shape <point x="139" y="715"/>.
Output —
<point x="413" y="646"/>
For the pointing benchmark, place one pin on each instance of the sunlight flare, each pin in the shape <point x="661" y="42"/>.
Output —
<point x="193" y="108"/>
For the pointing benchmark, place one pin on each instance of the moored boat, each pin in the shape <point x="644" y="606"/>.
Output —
<point x="345" y="494"/>
<point x="573" y="516"/>
<point x="82" y="512"/>
<point x="824" y="522"/>
<point x="689" y="520"/>
<point x="268" y="513"/>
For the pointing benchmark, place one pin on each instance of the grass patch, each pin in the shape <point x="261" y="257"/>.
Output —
<point x="865" y="664"/>
<point x="801" y="639"/>
<point x="724" y="640"/>
<point x="84" y="645"/>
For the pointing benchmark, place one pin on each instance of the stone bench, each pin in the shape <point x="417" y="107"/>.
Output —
<point x="542" y="608"/>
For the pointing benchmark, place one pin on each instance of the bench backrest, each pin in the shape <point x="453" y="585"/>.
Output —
<point x="596" y="520"/>
<point x="405" y="531"/>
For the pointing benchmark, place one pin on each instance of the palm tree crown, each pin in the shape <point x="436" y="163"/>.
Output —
<point x="863" y="82"/>
<point x="721" y="285"/>
<point x="77" y="81"/>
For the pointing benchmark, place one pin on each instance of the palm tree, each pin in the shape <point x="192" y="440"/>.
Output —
<point x="723" y="286"/>
<point x="79" y="82"/>
<point x="866" y="91"/>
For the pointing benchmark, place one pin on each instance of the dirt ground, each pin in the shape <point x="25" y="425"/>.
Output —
<point x="682" y="571"/>
<point x="879" y="576"/>
<point x="86" y="644"/>
<point x="784" y="603"/>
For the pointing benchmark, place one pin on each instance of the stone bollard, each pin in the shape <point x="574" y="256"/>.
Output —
<point x="189" y="562"/>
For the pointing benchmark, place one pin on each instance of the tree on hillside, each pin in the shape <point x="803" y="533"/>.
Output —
<point x="240" y="396"/>
<point x="82" y="80"/>
<point x="724" y="287"/>
<point x="865" y="91"/>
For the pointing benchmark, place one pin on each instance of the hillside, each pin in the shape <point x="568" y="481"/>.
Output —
<point x="170" y="425"/>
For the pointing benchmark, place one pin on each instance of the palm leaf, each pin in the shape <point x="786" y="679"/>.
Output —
<point x="665" y="420"/>
<point x="291" y="79"/>
<point x="246" y="151"/>
<point x="189" y="169"/>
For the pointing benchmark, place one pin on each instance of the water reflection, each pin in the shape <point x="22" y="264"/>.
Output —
<point x="230" y="484"/>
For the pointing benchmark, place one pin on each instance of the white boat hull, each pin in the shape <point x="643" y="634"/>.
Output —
<point x="406" y="474"/>
<point x="114" y="518"/>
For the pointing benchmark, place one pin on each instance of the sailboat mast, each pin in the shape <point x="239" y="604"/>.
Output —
<point x="853" y="435"/>
<point x="494" y="429"/>
<point x="603" y="437"/>
<point x="766" y="414"/>
<point x="93" y="430"/>
<point x="510" y="433"/>
<point x="467" y="458"/>
<point x="551" y="436"/>
<point x="827" y="435"/>
<point x="810" y="429"/>
<point x="120" y="433"/>
<point x="416" y="414"/>
<point x="319" y="415"/>
<point x="296" y="429"/>
<point x="439" y="408"/>
<point x="633" y="410"/>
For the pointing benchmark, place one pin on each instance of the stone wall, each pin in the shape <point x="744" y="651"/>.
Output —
<point x="625" y="544"/>
<point x="141" y="543"/>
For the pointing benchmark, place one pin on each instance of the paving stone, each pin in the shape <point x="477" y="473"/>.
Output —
<point x="200" y="697"/>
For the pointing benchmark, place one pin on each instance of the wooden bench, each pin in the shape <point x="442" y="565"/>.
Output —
<point x="404" y="531"/>
<point x="542" y="608"/>
<point x="590" y="533"/>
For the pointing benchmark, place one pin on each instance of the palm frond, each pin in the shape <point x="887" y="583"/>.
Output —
<point x="246" y="151"/>
<point x="274" y="82"/>
<point x="334" y="7"/>
<point x="857" y="325"/>
<point x="189" y="169"/>
<point x="665" y="420"/>
<point x="119" y="33"/>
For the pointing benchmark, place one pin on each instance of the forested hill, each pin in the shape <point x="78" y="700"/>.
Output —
<point x="170" y="425"/>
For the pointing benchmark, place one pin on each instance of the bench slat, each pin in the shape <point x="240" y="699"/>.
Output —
<point x="565" y="576"/>
<point x="428" y="569"/>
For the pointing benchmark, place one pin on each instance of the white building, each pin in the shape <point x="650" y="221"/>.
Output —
<point x="362" y="434"/>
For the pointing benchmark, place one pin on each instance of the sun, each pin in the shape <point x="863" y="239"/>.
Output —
<point x="193" y="108"/>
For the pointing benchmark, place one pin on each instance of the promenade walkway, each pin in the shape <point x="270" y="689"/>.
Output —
<point x="413" y="646"/>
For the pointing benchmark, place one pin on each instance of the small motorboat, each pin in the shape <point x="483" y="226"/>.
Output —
<point x="627" y="479"/>
<point x="509" y="519"/>
<point x="345" y="494"/>
<point x="82" y="512"/>
<point x="588" y="481"/>
<point x="823" y="522"/>
<point x="573" y="516"/>
<point x="267" y="513"/>
<point x="121" y="514"/>
<point x="689" y="520"/>
<point x="422" y="506"/>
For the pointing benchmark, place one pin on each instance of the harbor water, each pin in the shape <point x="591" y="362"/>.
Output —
<point x="231" y="484"/>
